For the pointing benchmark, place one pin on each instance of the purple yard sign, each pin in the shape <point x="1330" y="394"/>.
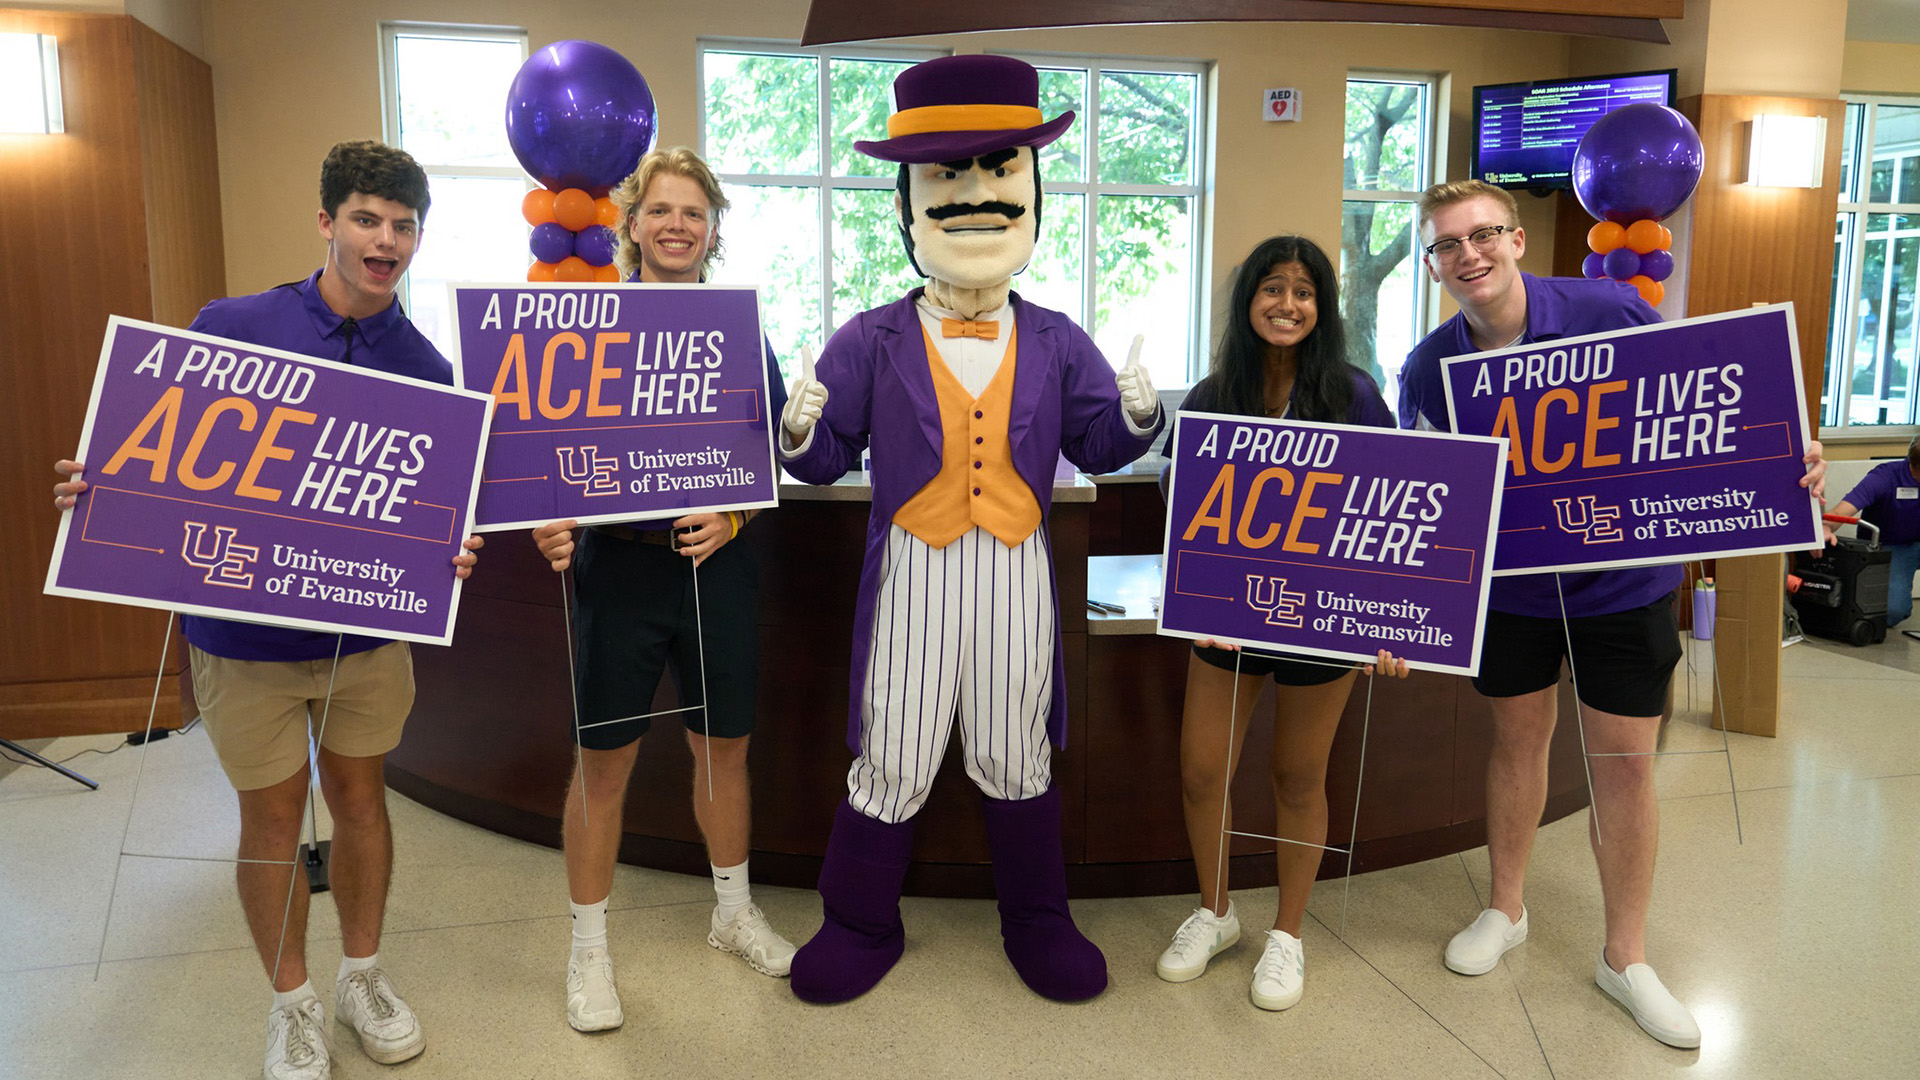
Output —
<point x="616" y="402"/>
<point x="1653" y="445"/>
<point x="231" y="480"/>
<point x="1329" y="540"/>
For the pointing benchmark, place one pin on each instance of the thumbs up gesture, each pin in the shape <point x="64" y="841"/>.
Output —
<point x="804" y="401"/>
<point x="1136" y="389"/>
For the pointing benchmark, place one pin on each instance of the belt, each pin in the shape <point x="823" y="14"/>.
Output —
<point x="656" y="537"/>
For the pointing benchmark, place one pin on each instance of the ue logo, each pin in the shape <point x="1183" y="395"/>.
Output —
<point x="583" y="467"/>
<point x="1269" y="594"/>
<point x="227" y="563"/>
<point x="1595" y="524"/>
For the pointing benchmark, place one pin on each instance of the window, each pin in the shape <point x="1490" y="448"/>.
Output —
<point x="813" y="219"/>
<point x="1389" y="162"/>
<point x="445" y="90"/>
<point x="1872" y="374"/>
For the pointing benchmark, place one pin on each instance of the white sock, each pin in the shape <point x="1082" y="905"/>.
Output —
<point x="350" y="964"/>
<point x="303" y="992"/>
<point x="731" y="887"/>
<point x="589" y="926"/>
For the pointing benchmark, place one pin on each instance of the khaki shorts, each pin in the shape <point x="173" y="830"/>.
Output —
<point x="260" y="713"/>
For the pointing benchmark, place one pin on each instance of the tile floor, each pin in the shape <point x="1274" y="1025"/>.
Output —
<point x="122" y="952"/>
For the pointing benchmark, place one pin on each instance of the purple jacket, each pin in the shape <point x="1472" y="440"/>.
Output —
<point x="880" y="392"/>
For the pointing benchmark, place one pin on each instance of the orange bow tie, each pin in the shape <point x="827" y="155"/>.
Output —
<point x="985" y="331"/>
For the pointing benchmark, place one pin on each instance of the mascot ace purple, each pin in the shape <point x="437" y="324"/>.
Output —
<point x="967" y="395"/>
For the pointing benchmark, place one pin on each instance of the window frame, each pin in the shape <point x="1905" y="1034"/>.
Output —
<point x="1092" y="188"/>
<point x="1425" y="313"/>
<point x="1851" y="215"/>
<point x="823" y="180"/>
<point x="390" y="33"/>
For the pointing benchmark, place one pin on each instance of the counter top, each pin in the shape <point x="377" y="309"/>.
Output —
<point x="1133" y="582"/>
<point x="858" y="487"/>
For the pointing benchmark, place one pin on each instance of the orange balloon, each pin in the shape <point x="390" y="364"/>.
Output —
<point x="541" y="271"/>
<point x="573" y="268"/>
<point x="1666" y="238"/>
<point x="1605" y="236"/>
<point x="573" y="209"/>
<point x="606" y="275"/>
<point x="605" y="212"/>
<point x="537" y="207"/>
<point x="1650" y="290"/>
<point x="1645" y="235"/>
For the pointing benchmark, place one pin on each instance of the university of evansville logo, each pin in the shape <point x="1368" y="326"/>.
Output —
<point x="583" y="467"/>
<point x="226" y="565"/>
<point x="1594" y="524"/>
<point x="1269" y="594"/>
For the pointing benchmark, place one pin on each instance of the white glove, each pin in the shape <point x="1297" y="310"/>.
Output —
<point x="1136" y="389"/>
<point x="804" y="401"/>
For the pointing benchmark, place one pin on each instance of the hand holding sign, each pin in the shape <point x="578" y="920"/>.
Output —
<point x="67" y="493"/>
<point x="555" y="541"/>
<point x="804" y="403"/>
<point x="1136" y="389"/>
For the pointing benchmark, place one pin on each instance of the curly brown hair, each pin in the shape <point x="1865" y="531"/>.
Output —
<point x="372" y="168"/>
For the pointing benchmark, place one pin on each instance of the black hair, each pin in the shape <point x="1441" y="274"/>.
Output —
<point x="906" y="201"/>
<point x="372" y="168"/>
<point x="1323" y="380"/>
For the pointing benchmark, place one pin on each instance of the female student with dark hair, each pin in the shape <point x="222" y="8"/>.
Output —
<point x="1283" y="355"/>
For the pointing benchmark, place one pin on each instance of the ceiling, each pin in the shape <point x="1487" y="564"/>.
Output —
<point x="1884" y="20"/>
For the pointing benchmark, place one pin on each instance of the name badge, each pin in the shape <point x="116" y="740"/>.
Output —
<point x="1907" y="493"/>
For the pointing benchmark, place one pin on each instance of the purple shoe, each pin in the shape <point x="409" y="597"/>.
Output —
<point x="1030" y="874"/>
<point x="862" y="937"/>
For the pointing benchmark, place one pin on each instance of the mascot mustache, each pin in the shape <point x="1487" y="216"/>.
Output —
<point x="1008" y="210"/>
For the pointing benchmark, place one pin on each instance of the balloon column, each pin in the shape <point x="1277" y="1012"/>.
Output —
<point x="579" y="117"/>
<point x="1634" y="167"/>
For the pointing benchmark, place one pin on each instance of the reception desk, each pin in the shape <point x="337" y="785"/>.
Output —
<point x="489" y="741"/>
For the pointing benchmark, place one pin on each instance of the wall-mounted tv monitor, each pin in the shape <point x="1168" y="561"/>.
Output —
<point x="1524" y="133"/>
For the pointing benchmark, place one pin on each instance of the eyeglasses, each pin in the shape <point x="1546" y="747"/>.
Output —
<point x="1482" y="238"/>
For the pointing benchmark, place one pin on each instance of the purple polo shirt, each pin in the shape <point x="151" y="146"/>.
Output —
<point x="1556" y="308"/>
<point x="293" y="317"/>
<point x="1889" y="496"/>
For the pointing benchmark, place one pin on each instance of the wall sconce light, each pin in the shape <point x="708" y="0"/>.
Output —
<point x="1786" y="151"/>
<point x="30" y="85"/>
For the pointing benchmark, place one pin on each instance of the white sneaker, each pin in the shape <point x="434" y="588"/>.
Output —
<point x="1478" y="948"/>
<point x="1281" y="975"/>
<point x="1656" y="1010"/>
<point x="592" y="1002"/>
<point x="366" y="1002"/>
<point x="297" y="1042"/>
<point x="747" y="934"/>
<point x="1201" y="938"/>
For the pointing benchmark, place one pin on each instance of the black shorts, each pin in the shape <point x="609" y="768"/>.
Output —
<point x="633" y="615"/>
<point x="1623" y="661"/>
<point x="1286" y="670"/>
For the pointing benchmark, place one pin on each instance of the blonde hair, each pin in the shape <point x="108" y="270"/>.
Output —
<point x="1441" y="196"/>
<point x="672" y="161"/>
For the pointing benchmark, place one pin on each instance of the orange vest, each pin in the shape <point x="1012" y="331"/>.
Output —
<point x="977" y="483"/>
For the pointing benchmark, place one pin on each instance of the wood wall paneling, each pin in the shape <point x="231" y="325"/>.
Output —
<point x="74" y="249"/>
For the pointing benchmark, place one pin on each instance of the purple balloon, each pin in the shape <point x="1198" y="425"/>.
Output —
<point x="1621" y="263"/>
<point x="1637" y="162"/>
<point x="550" y="242"/>
<point x="1657" y="264"/>
<point x="594" y="244"/>
<point x="1593" y="266"/>
<point x="579" y="115"/>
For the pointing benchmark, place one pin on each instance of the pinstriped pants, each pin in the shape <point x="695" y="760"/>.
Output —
<point x="966" y="630"/>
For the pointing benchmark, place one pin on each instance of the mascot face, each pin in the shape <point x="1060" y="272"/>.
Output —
<point x="973" y="223"/>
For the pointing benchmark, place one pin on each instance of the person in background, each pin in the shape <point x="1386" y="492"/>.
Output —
<point x="1889" y="498"/>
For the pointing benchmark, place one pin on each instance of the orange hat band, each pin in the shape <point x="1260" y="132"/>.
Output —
<point x="962" y="118"/>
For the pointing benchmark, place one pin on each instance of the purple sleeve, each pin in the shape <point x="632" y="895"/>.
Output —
<point x="1874" y="487"/>
<point x="1368" y="408"/>
<point x="1093" y="424"/>
<point x="845" y="368"/>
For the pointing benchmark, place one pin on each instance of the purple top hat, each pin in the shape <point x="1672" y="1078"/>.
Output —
<point x="958" y="107"/>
